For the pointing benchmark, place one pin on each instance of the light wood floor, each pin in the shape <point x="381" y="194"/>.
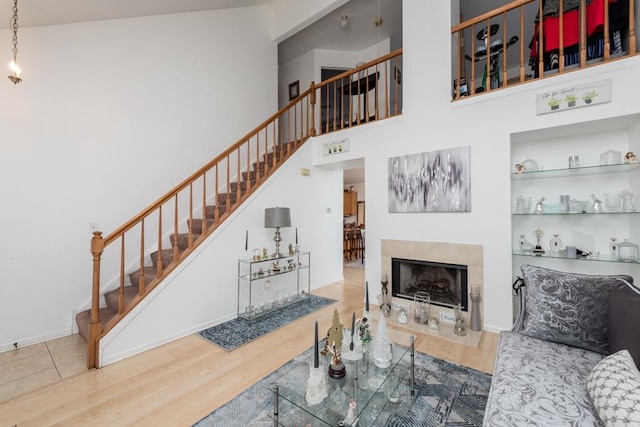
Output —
<point x="179" y="383"/>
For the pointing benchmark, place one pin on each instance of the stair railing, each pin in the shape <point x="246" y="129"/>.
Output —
<point x="498" y="42"/>
<point x="205" y="199"/>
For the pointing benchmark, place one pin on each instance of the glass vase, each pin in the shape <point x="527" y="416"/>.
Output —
<point x="421" y="305"/>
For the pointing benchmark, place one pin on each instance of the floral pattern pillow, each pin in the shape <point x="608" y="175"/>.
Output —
<point x="569" y="308"/>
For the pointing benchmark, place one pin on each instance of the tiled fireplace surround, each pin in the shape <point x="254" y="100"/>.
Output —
<point x="450" y="253"/>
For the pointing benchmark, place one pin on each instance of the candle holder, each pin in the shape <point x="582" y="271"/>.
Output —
<point x="384" y="299"/>
<point x="476" y="324"/>
<point x="316" y="385"/>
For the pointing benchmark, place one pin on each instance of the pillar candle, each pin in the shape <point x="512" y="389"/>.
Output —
<point x="353" y="322"/>
<point x="366" y="296"/>
<point x="316" y="357"/>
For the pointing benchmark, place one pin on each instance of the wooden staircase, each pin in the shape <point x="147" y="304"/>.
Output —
<point x="180" y="243"/>
<point x="131" y="261"/>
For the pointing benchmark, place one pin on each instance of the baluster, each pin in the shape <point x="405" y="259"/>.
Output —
<point x="159" y="266"/>
<point x="561" y="41"/>
<point x="216" y="213"/>
<point x="387" y="66"/>
<point x="521" y="43"/>
<point x="324" y="93"/>
<point x="583" y="33"/>
<point x="607" y="43"/>
<point x="175" y="229"/>
<point x="376" y="91"/>
<point x="141" y="281"/>
<point x="540" y="40"/>
<point x="228" y="193"/>
<point x="632" y="28"/>
<point x="121" y="292"/>
<point x="473" y="61"/>
<point x="191" y="213"/>
<point x="312" y="100"/>
<point x="487" y="46"/>
<point x="458" y="63"/>
<point x="239" y="175"/>
<point x="204" y="204"/>
<point x="504" y="49"/>
<point x="295" y="126"/>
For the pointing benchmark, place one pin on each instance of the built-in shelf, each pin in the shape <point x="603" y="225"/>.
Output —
<point x="575" y="172"/>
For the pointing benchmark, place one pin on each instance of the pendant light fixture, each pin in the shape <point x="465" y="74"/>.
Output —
<point x="15" y="68"/>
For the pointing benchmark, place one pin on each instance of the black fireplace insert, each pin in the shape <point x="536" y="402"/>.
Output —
<point x="446" y="284"/>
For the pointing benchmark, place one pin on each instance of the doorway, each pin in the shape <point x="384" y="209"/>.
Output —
<point x="354" y="218"/>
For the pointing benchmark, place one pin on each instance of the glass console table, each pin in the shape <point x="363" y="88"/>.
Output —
<point x="371" y="389"/>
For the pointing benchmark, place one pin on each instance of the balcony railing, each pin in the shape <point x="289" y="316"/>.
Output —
<point x="555" y="36"/>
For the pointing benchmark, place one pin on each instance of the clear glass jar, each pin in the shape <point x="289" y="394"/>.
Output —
<point x="421" y="305"/>
<point x="627" y="251"/>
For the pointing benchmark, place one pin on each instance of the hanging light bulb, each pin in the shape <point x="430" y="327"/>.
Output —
<point x="344" y="21"/>
<point x="15" y="68"/>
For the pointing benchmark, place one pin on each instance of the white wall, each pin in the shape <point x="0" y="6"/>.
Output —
<point x="109" y="117"/>
<point x="204" y="292"/>
<point x="431" y="122"/>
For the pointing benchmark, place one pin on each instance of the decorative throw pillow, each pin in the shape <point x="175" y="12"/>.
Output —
<point x="624" y="318"/>
<point x="569" y="308"/>
<point x="614" y="388"/>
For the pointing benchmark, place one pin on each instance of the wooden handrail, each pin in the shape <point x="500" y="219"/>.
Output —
<point x="489" y="67"/>
<point x="488" y="15"/>
<point x="265" y="148"/>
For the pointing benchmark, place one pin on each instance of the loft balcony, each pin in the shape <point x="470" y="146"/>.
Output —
<point x="527" y="40"/>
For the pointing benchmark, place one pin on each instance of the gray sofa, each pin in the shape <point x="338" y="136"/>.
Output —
<point x="558" y="342"/>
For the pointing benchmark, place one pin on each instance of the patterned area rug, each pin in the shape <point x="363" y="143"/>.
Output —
<point x="237" y="332"/>
<point x="446" y="395"/>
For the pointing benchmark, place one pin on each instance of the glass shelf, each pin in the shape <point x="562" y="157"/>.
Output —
<point x="272" y="258"/>
<point x="600" y="258"/>
<point x="266" y="274"/>
<point x="575" y="213"/>
<point x="583" y="171"/>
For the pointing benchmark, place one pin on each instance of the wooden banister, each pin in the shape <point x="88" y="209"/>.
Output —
<point x="250" y="161"/>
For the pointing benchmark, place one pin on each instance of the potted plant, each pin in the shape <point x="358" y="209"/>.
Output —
<point x="554" y="103"/>
<point x="588" y="96"/>
<point x="571" y="99"/>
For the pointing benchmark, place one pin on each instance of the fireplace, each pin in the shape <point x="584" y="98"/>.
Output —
<point x="445" y="283"/>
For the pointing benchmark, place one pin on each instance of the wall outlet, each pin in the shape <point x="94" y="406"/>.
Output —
<point x="446" y="317"/>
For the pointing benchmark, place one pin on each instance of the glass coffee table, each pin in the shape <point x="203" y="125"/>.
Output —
<point x="358" y="399"/>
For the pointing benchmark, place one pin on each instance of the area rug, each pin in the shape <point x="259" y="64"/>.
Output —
<point x="237" y="332"/>
<point x="446" y="395"/>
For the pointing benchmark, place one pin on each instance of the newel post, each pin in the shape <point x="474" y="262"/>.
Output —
<point x="97" y="247"/>
<point x="312" y="100"/>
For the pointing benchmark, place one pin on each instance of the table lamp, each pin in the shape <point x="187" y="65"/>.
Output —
<point x="276" y="218"/>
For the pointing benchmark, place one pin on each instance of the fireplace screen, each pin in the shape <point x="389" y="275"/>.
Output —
<point x="445" y="283"/>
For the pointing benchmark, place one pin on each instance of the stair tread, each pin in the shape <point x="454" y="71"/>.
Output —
<point x="112" y="298"/>
<point x="83" y="319"/>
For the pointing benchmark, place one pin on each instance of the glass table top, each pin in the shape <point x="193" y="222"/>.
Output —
<point x="367" y="387"/>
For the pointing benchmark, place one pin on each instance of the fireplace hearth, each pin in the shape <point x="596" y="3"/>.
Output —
<point x="445" y="283"/>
